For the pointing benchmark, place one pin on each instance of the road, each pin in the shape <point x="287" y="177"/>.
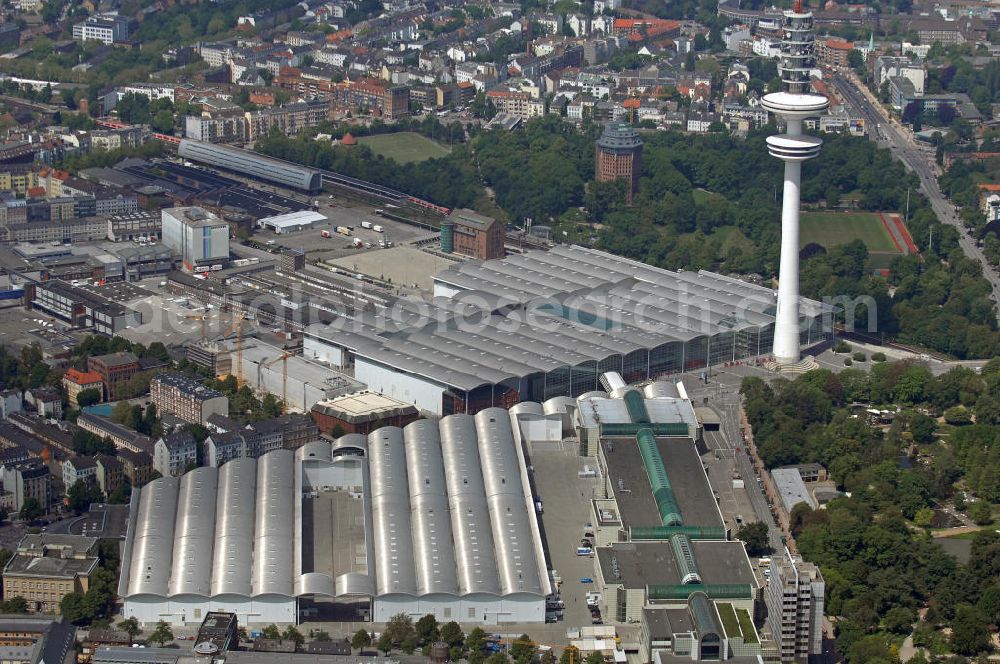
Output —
<point x="887" y="133"/>
<point x="722" y="393"/>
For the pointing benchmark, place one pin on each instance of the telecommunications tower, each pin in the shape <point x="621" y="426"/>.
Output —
<point x="792" y="147"/>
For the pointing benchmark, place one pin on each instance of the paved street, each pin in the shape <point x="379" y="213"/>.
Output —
<point x="722" y="394"/>
<point x="888" y="134"/>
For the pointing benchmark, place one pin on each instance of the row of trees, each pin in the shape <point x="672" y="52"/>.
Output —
<point x="401" y="633"/>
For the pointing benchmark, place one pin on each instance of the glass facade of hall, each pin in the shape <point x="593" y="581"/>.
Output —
<point x="672" y="357"/>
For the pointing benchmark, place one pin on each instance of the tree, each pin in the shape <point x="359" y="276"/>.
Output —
<point x="476" y="640"/>
<point x="522" y="649"/>
<point x="755" y="537"/>
<point x="131" y="627"/>
<point x="899" y="620"/>
<point x="322" y="635"/>
<point x="981" y="512"/>
<point x="410" y="644"/>
<point x="162" y="633"/>
<point x="361" y="639"/>
<point x="122" y="413"/>
<point x="398" y="627"/>
<point x="548" y="657"/>
<point x="989" y="604"/>
<point x="451" y="633"/>
<point x="970" y="634"/>
<point x="292" y="634"/>
<point x="924" y="517"/>
<point x="498" y="658"/>
<point x="427" y="629"/>
<point x="73" y="609"/>
<point x="14" y="605"/>
<point x="271" y="632"/>
<point x="384" y="643"/>
<point x="30" y="510"/>
<point x="596" y="657"/>
<point x="957" y="416"/>
<point x="88" y="397"/>
<point x="82" y="494"/>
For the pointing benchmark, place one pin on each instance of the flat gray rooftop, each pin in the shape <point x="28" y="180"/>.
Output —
<point x="636" y="504"/>
<point x="642" y="564"/>
<point x="569" y="307"/>
<point x="333" y="542"/>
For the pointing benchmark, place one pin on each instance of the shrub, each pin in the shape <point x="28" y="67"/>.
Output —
<point x="859" y="356"/>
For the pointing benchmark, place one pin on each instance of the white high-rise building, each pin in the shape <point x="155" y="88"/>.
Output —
<point x="794" y="600"/>
<point x="200" y="238"/>
<point x="793" y="147"/>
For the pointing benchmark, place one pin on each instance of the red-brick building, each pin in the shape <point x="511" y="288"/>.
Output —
<point x="619" y="156"/>
<point x="470" y="234"/>
<point x="114" y="369"/>
<point x="362" y="413"/>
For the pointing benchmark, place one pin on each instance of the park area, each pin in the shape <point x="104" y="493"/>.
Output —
<point x="884" y="234"/>
<point x="404" y="147"/>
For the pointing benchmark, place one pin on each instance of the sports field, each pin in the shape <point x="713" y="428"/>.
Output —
<point x="828" y="229"/>
<point x="405" y="147"/>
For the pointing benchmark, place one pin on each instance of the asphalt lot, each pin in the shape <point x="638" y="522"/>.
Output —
<point x="16" y="326"/>
<point x="565" y="498"/>
<point x="341" y="213"/>
<point x="407" y="267"/>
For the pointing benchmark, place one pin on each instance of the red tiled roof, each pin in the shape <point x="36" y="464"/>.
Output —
<point x="82" y="377"/>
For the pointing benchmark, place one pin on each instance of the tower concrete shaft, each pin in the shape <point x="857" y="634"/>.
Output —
<point x="792" y="147"/>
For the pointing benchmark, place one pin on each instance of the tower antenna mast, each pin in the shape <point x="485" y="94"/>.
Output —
<point x="793" y="147"/>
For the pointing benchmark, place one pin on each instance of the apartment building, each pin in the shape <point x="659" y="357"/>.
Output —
<point x="288" y="432"/>
<point x="517" y="104"/>
<point x="186" y="398"/>
<point x="391" y="102"/>
<point x="78" y="469"/>
<point x="216" y="127"/>
<point x="174" y="453"/>
<point x="110" y="474"/>
<point x="137" y="467"/>
<point x="122" y="437"/>
<point x="27" y="479"/>
<point x="794" y="598"/>
<point x="289" y="119"/>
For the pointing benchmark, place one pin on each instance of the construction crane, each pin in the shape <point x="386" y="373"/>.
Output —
<point x="283" y="358"/>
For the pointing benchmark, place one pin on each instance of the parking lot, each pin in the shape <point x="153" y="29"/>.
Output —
<point x="565" y="498"/>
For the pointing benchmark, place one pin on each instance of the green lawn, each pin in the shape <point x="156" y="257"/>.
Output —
<point x="729" y="620"/>
<point x="828" y="229"/>
<point x="405" y="147"/>
<point x="746" y="626"/>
